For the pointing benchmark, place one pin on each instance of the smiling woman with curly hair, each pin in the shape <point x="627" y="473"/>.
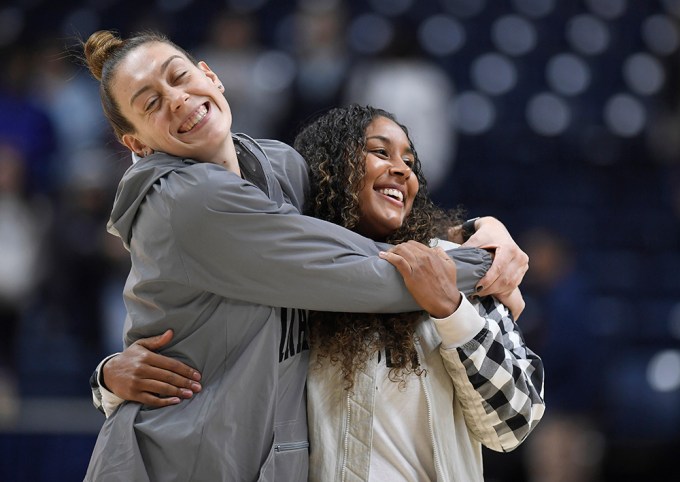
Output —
<point x="335" y="147"/>
<point x="404" y="396"/>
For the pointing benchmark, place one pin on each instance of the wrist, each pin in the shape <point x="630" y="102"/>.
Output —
<point x="461" y="327"/>
<point x="448" y="309"/>
<point x="102" y="371"/>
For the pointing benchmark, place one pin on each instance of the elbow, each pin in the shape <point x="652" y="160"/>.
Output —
<point x="517" y="428"/>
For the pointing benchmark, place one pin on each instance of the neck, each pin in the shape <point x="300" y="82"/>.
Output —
<point x="227" y="158"/>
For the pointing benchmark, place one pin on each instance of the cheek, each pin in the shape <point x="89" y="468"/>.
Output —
<point x="414" y="187"/>
<point x="407" y="211"/>
<point x="223" y="104"/>
<point x="365" y="195"/>
<point x="151" y="132"/>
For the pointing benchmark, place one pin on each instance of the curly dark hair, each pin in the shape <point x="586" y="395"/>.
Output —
<point x="334" y="146"/>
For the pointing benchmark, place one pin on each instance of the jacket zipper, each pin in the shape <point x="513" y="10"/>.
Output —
<point x="288" y="446"/>
<point x="435" y="453"/>
<point x="346" y="442"/>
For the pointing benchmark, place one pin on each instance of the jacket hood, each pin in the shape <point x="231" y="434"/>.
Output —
<point x="132" y="190"/>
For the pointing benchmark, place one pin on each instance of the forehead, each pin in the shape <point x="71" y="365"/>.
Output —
<point x="147" y="59"/>
<point x="383" y="127"/>
<point x="143" y="65"/>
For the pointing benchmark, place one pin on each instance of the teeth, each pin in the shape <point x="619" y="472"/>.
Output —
<point x="194" y="119"/>
<point x="394" y="193"/>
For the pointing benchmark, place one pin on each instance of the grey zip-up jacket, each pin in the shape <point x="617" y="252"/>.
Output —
<point x="216" y="258"/>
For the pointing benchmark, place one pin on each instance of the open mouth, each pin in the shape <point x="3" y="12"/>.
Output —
<point x="392" y="193"/>
<point x="196" y="117"/>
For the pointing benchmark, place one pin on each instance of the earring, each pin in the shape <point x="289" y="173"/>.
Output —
<point x="220" y="87"/>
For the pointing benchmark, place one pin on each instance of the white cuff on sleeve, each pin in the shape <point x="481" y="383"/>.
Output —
<point x="110" y="401"/>
<point x="461" y="326"/>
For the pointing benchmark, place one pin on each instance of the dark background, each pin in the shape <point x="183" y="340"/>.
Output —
<point x="558" y="117"/>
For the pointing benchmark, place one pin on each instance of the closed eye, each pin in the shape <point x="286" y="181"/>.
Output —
<point x="151" y="104"/>
<point x="179" y="77"/>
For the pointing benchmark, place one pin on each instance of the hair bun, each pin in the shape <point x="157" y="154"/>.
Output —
<point x="98" y="48"/>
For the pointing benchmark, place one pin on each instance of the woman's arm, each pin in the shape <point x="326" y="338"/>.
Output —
<point x="497" y="378"/>
<point x="509" y="264"/>
<point x="138" y="374"/>
<point x="236" y="242"/>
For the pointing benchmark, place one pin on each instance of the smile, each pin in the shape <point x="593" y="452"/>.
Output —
<point x="193" y="119"/>
<point x="392" y="193"/>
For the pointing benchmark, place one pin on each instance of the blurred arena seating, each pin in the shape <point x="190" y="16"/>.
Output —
<point x="561" y="115"/>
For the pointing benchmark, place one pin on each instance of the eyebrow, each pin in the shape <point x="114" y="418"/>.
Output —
<point x="164" y="66"/>
<point x="387" y="141"/>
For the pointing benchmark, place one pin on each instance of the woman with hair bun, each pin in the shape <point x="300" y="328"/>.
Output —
<point x="219" y="249"/>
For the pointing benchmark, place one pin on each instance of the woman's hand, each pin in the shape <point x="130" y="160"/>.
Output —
<point x="510" y="263"/>
<point x="140" y="375"/>
<point x="429" y="275"/>
<point x="514" y="302"/>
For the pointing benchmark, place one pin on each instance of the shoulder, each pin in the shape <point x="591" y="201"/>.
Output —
<point x="277" y="148"/>
<point x="206" y="191"/>
<point x="200" y="186"/>
<point x="284" y="158"/>
<point x="196" y="178"/>
<point x="290" y="170"/>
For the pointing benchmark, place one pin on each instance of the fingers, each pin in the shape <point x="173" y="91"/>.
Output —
<point x="398" y="262"/>
<point x="488" y="284"/>
<point x="506" y="272"/>
<point x="156" y="388"/>
<point x="510" y="263"/>
<point x="175" y="378"/>
<point x="157" y="402"/>
<point x="144" y="356"/>
<point x="412" y="257"/>
<point x="514" y="301"/>
<point x="140" y="375"/>
<point x="429" y="275"/>
<point x="175" y="368"/>
<point x="159" y="388"/>
<point x="164" y="382"/>
<point x="156" y="342"/>
<point x="404" y="257"/>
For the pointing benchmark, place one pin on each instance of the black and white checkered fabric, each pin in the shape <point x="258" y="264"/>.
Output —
<point x="498" y="380"/>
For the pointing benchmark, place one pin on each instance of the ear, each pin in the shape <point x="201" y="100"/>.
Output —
<point x="135" y="145"/>
<point x="211" y="75"/>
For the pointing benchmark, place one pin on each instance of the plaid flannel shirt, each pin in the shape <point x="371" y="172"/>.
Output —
<point x="498" y="380"/>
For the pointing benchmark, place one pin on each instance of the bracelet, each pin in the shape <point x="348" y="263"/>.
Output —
<point x="468" y="228"/>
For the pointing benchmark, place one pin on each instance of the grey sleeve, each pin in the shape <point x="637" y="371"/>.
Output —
<point x="237" y="242"/>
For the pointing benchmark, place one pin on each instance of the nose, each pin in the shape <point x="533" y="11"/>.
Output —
<point x="178" y="98"/>
<point x="401" y="169"/>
